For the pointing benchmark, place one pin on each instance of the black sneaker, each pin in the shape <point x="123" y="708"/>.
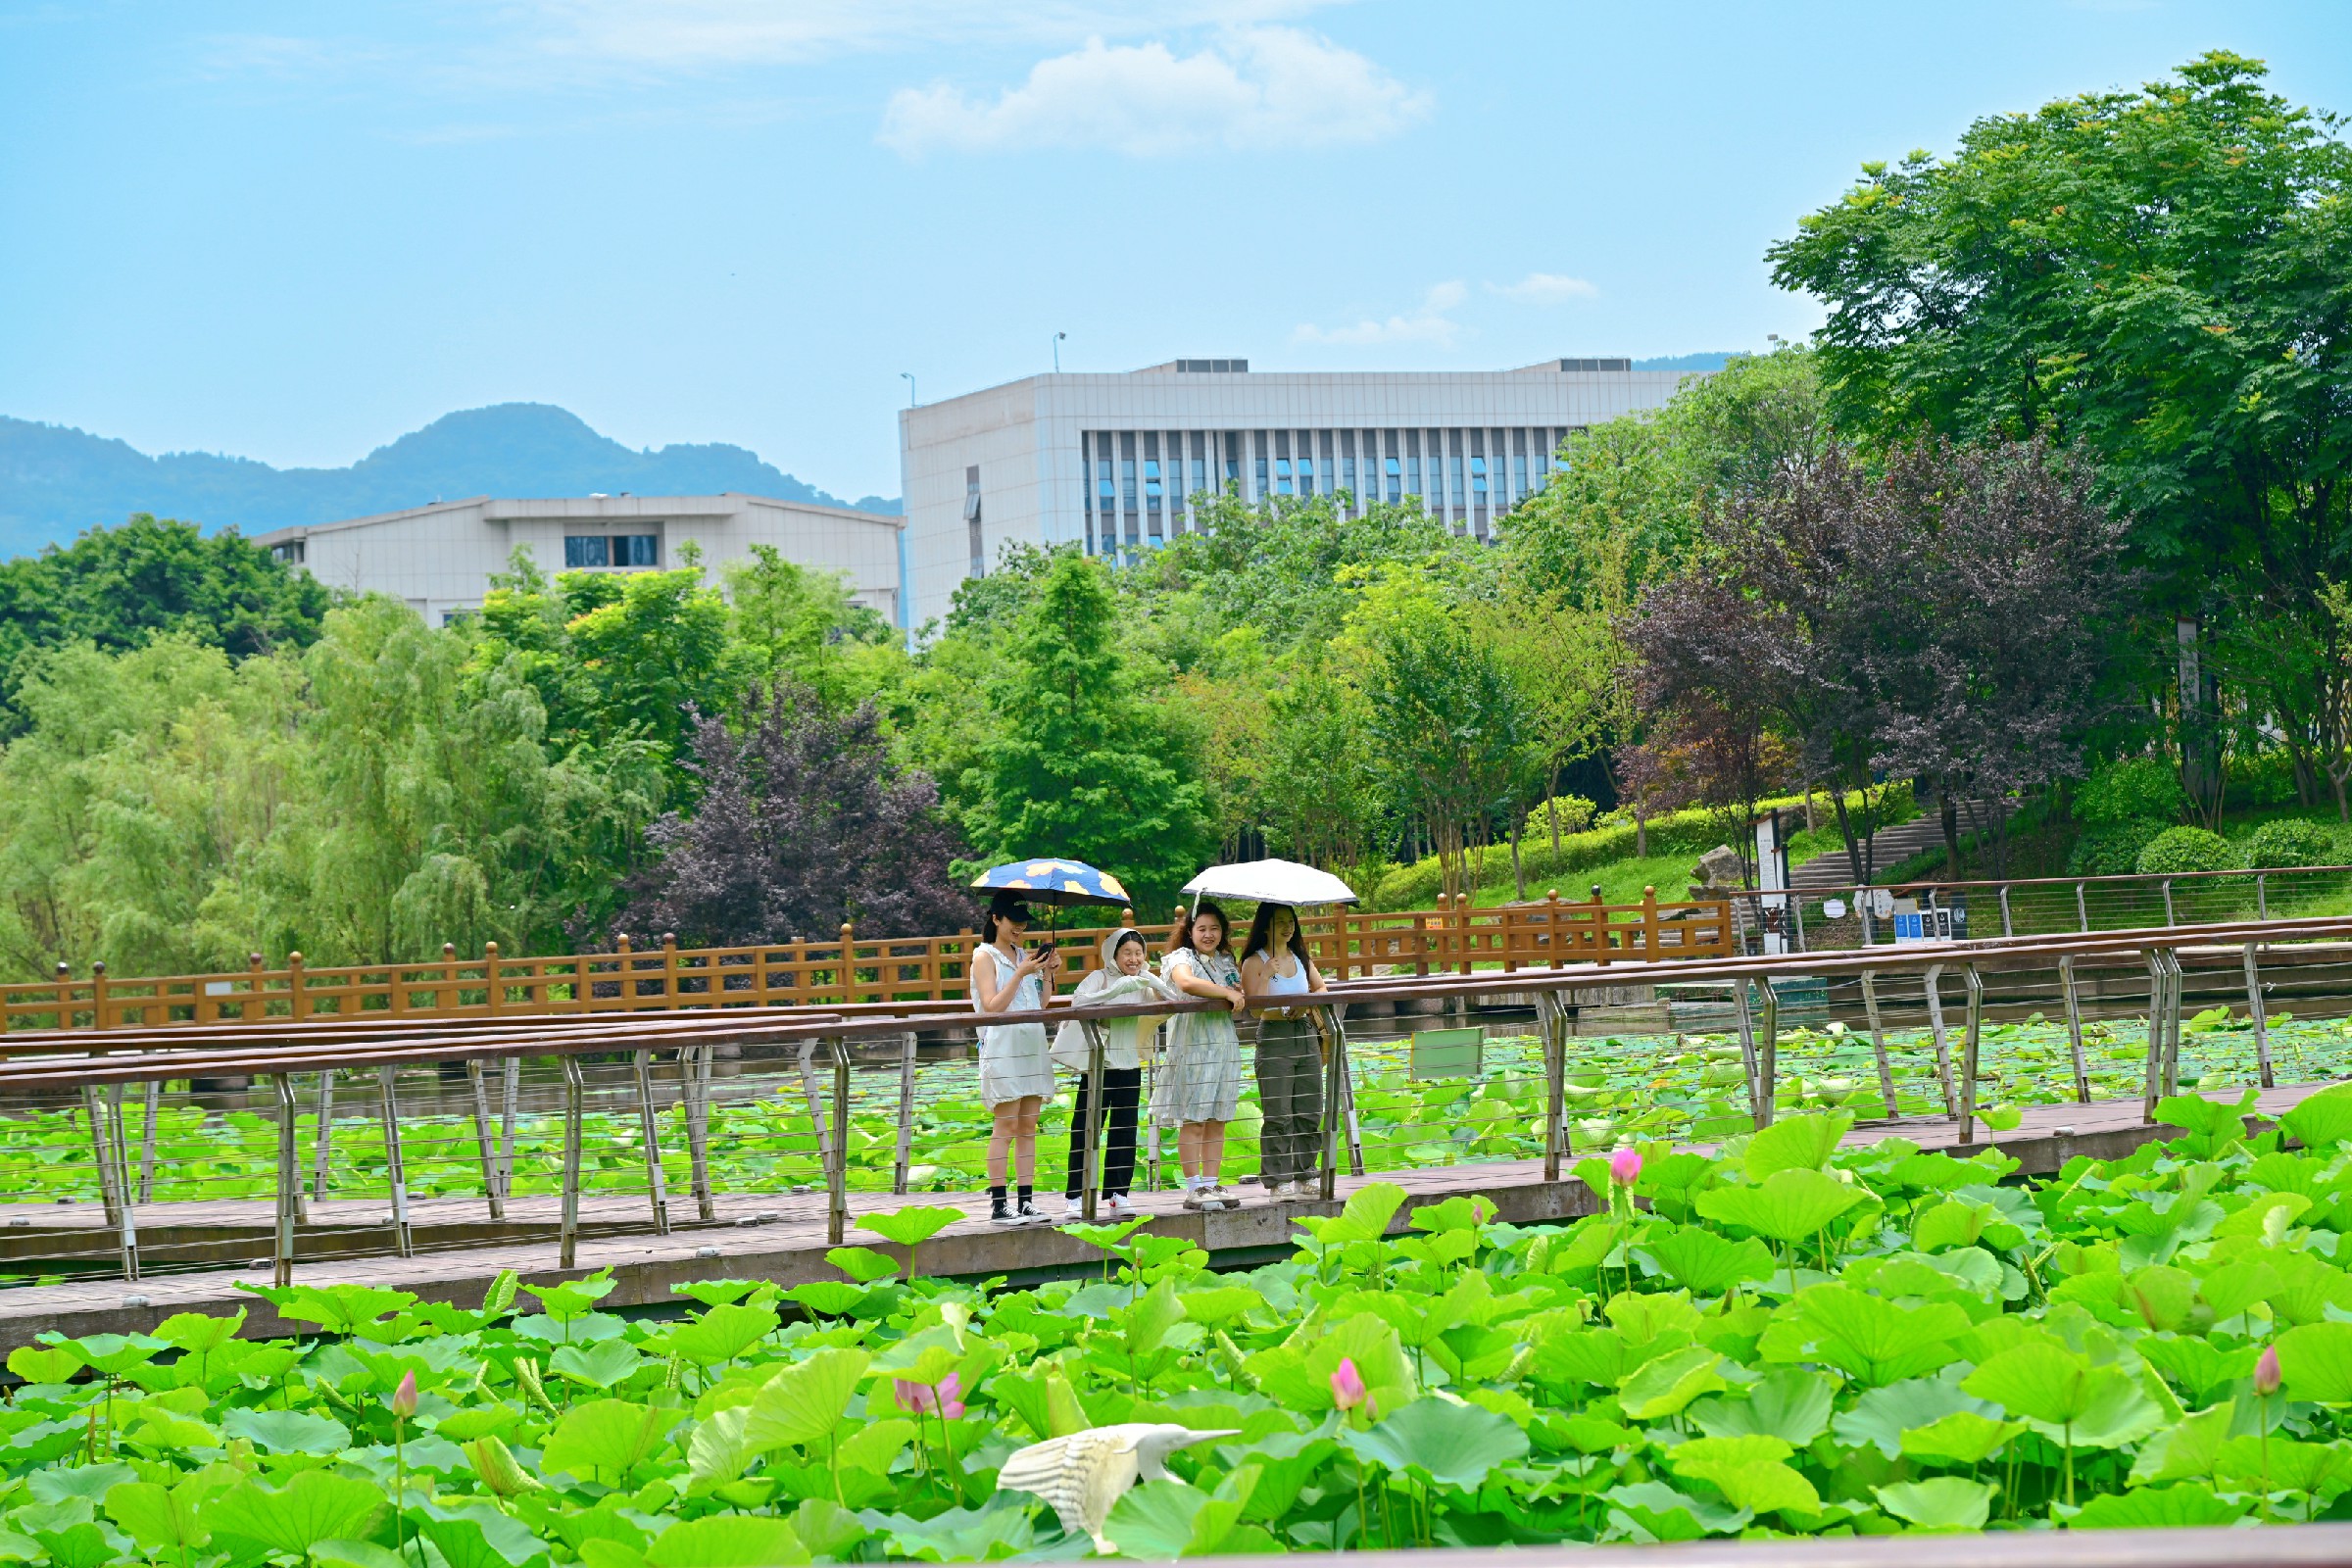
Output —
<point x="1025" y="1213"/>
<point x="1000" y="1212"/>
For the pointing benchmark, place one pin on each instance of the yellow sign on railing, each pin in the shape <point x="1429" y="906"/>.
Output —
<point x="847" y="969"/>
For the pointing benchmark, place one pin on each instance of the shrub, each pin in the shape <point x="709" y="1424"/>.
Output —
<point x="2265" y="778"/>
<point x="2132" y="789"/>
<point x="2177" y="850"/>
<point x="2290" y="841"/>
<point x="2113" y="851"/>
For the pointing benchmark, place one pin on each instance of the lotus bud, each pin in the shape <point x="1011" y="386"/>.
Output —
<point x="526" y="1373"/>
<point x="404" y="1398"/>
<point x="950" y="1397"/>
<point x="1625" y="1165"/>
<point x="914" y="1396"/>
<point x="495" y="1463"/>
<point x="1347" y="1385"/>
<point x="2266" y="1372"/>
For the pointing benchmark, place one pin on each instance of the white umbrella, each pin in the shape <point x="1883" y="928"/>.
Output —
<point x="1270" y="882"/>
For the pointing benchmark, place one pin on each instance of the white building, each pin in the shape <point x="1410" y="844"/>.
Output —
<point x="1111" y="462"/>
<point x="440" y="558"/>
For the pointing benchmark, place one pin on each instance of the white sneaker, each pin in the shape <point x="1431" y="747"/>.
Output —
<point x="1223" y="1199"/>
<point x="1199" y="1200"/>
<point x="1119" y="1206"/>
<point x="1072" y="1209"/>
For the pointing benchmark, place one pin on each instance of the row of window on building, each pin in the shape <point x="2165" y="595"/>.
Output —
<point x="612" y="550"/>
<point x="1140" y="482"/>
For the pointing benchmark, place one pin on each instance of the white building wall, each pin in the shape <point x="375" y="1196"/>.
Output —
<point x="1026" y="440"/>
<point x="439" y="559"/>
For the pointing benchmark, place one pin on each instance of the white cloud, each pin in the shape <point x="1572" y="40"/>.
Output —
<point x="1256" y="88"/>
<point x="1429" y="322"/>
<point x="1546" y="288"/>
<point x="670" y="33"/>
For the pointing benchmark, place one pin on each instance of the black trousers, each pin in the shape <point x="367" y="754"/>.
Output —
<point x="1122" y="1087"/>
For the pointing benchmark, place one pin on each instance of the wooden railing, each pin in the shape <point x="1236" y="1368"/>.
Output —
<point x="1453" y="938"/>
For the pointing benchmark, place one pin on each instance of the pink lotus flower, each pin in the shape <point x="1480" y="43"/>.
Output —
<point x="404" y="1398"/>
<point x="1625" y="1165"/>
<point x="2266" y="1372"/>
<point x="1347" y="1385"/>
<point x="944" y="1400"/>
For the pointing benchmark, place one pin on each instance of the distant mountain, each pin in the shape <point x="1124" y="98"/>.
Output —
<point x="1686" y="362"/>
<point x="56" y="482"/>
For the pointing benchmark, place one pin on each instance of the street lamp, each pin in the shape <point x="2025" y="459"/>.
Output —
<point x="909" y="377"/>
<point x="1057" y="337"/>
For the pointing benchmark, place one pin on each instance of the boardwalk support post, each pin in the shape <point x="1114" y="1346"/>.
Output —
<point x="569" y="1226"/>
<point x="1878" y="1044"/>
<point x="1943" y="1041"/>
<point x="492" y="1192"/>
<point x="289" y="1186"/>
<point x="905" y="1152"/>
<point x="2254" y="1011"/>
<point x="1969" y="1042"/>
<point x="649" y="1126"/>
<point x="2073" y="1027"/>
<point x="1092" y="1131"/>
<point x="396" y="1176"/>
<point x="837" y="1181"/>
<point x="1551" y="1019"/>
<point x="1768" y="1058"/>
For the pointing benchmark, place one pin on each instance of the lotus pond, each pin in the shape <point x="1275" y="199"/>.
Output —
<point x="1782" y="1338"/>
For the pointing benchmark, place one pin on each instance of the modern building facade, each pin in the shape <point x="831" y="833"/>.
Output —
<point x="1111" y="463"/>
<point x="440" y="558"/>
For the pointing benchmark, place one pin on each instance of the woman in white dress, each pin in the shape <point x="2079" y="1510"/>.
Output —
<point x="1015" y="1077"/>
<point x="1200" y="1083"/>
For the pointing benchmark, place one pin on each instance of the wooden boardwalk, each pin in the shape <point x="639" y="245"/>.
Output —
<point x="782" y="1237"/>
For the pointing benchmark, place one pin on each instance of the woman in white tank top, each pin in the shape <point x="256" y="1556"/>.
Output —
<point x="1276" y="974"/>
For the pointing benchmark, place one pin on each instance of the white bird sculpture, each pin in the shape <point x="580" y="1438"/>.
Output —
<point x="1085" y="1474"/>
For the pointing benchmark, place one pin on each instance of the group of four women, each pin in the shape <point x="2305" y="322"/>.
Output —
<point x="1198" y="1082"/>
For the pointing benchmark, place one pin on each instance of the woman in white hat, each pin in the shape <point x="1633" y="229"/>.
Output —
<point x="1125" y="976"/>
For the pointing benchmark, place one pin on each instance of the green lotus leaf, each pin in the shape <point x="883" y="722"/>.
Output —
<point x="1943" y="1504"/>
<point x="1796" y="1143"/>
<point x="1665" y="1385"/>
<point x="724" y="1333"/>
<point x="1698" y="1259"/>
<point x="2183" y="1507"/>
<point x="311" y="1507"/>
<point x="2315" y="1361"/>
<point x="287" y="1430"/>
<point x="1877" y="1340"/>
<point x="1787" y="1403"/>
<point x="600" y="1365"/>
<point x="2189" y="1448"/>
<point x="1452" y="1444"/>
<point x="604" y="1440"/>
<point x="1663" y="1513"/>
<point x="1962" y="1438"/>
<point x="2323" y="1120"/>
<point x="804" y="1401"/>
<point x="160" y="1519"/>
<point x="727" y="1541"/>
<point x="910" y="1227"/>
<point x="1881" y="1416"/>
<point x="1792" y="1206"/>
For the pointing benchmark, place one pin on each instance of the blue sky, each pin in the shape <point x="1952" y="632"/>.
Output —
<point x="294" y="232"/>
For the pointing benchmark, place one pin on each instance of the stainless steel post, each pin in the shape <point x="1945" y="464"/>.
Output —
<point x="905" y="1153"/>
<point x="1548" y="1018"/>
<point x="1092" y="1130"/>
<point x="694" y="1070"/>
<point x="2168" y="903"/>
<point x="404" y="1241"/>
<point x="1747" y="1052"/>
<point x="2254" y="1008"/>
<point x="289" y="1186"/>
<point x="1335" y="1074"/>
<point x="649" y="1127"/>
<point x="109" y="1191"/>
<point x="509" y="1114"/>
<point x="1878" y="1044"/>
<point x="322" y="1161"/>
<point x="837" y="1183"/>
<point x="2176" y="982"/>
<point x="569" y="1225"/>
<point x="1768" y="1059"/>
<point x="1969" y="1051"/>
<point x="2152" y="1085"/>
<point x="150" y="1112"/>
<point x="825" y="1141"/>
<point x="1944" y="1043"/>
<point x="2081" y="908"/>
<point x="2262" y="898"/>
<point x="493" y="1190"/>
<point x="2073" y="1028"/>
<point x="2006" y="929"/>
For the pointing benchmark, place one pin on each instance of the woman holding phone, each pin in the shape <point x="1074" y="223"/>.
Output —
<point x="1015" y="1077"/>
<point x="1276" y="976"/>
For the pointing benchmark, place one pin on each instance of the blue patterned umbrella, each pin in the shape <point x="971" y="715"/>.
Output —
<point x="1053" y="882"/>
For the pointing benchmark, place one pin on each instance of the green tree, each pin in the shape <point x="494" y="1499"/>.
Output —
<point x="2158" y="278"/>
<point x="799" y="624"/>
<point x="1445" y="718"/>
<point x="1079" y="766"/>
<point x="1325" y="799"/>
<point x="119" y="588"/>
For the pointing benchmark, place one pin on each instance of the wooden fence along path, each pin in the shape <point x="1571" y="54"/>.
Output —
<point x="848" y="970"/>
